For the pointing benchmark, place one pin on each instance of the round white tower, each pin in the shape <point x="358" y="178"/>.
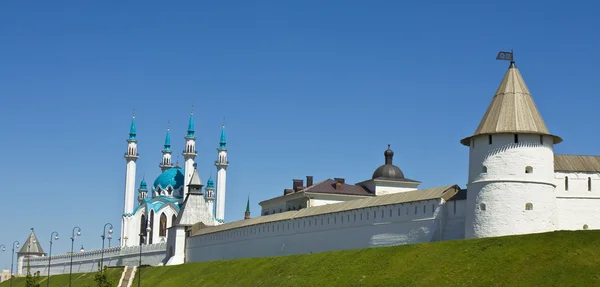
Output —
<point x="131" y="157"/>
<point x="511" y="166"/>
<point x="189" y="154"/>
<point x="221" y="163"/>
<point x="210" y="197"/>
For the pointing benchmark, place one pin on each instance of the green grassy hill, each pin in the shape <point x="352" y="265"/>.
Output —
<point x="564" y="258"/>
<point x="79" y="280"/>
<point x="550" y="259"/>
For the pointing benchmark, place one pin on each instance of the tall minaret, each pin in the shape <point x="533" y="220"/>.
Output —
<point x="221" y="163"/>
<point x="511" y="187"/>
<point x="189" y="154"/>
<point x="166" y="158"/>
<point x="210" y="197"/>
<point x="130" y="157"/>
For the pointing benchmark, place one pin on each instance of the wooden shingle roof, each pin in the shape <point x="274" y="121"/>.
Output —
<point x="576" y="163"/>
<point x="512" y="110"/>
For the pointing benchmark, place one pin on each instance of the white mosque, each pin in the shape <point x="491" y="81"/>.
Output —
<point x="516" y="185"/>
<point x="157" y="211"/>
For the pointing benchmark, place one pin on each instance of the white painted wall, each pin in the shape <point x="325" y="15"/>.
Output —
<point x="88" y="261"/>
<point x="454" y="224"/>
<point x="504" y="187"/>
<point x="369" y="227"/>
<point x="578" y="183"/>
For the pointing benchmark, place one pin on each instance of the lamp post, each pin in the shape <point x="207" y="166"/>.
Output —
<point x="29" y="253"/>
<point x="148" y="230"/>
<point x="110" y="231"/>
<point x="109" y="238"/>
<point x="72" y="242"/>
<point x="55" y="237"/>
<point x="12" y="259"/>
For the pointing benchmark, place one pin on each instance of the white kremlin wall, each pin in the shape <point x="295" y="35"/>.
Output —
<point x="87" y="261"/>
<point x="579" y="204"/>
<point x="396" y="224"/>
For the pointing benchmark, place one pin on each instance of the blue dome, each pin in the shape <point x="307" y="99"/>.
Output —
<point x="143" y="185"/>
<point x="173" y="177"/>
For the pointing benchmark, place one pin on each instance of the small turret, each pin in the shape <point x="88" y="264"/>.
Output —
<point x="247" y="213"/>
<point x="142" y="191"/>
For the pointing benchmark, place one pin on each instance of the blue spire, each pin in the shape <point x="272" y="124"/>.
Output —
<point x="168" y="141"/>
<point x="190" y="129"/>
<point x="132" y="132"/>
<point x="210" y="183"/>
<point x="223" y="141"/>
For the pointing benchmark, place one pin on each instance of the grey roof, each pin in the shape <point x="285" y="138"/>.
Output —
<point x="574" y="163"/>
<point x="31" y="245"/>
<point x="195" y="180"/>
<point x="512" y="110"/>
<point x="194" y="208"/>
<point x="446" y="192"/>
<point x="389" y="171"/>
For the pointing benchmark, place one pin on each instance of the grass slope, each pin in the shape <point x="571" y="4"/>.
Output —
<point x="564" y="258"/>
<point x="79" y="280"/>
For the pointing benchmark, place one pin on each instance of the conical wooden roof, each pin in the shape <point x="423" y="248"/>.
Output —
<point x="31" y="245"/>
<point x="512" y="110"/>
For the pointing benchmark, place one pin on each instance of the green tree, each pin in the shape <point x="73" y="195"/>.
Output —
<point x="32" y="281"/>
<point x="101" y="278"/>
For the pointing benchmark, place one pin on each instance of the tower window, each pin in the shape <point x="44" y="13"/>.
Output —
<point x="516" y="138"/>
<point x="473" y="143"/>
<point x="529" y="169"/>
<point x="585" y="227"/>
<point x="490" y="139"/>
<point x="566" y="183"/>
<point x="529" y="206"/>
<point x="589" y="184"/>
<point x="415" y="209"/>
<point x="482" y="207"/>
<point x="541" y="139"/>
<point x="484" y="169"/>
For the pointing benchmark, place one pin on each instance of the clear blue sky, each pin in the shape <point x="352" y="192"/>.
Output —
<point x="307" y="88"/>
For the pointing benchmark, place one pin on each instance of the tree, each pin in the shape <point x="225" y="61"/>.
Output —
<point x="101" y="278"/>
<point x="32" y="281"/>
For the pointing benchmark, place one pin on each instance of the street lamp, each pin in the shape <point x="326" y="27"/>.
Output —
<point x="109" y="238"/>
<point x="12" y="259"/>
<point x="148" y="230"/>
<point x="55" y="237"/>
<point x="103" y="236"/>
<point x="72" y="242"/>
<point x="29" y="253"/>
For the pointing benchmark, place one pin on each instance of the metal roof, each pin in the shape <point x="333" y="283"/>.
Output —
<point x="31" y="245"/>
<point x="571" y="162"/>
<point x="512" y="110"/>
<point x="445" y="192"/>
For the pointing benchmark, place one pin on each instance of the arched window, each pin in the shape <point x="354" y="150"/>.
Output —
<point x="484" y="169"/>
<point x="143" y="226"/>
<point x="151" y="226"/>
<point x="585" y="227"/>
<point x="482" y="206"/>
<point x="173" y="220"/>
<point x="529" y="206"/>
<point x="163" y="225"/>
<point x="589" y="184"/>
<point x="566" y="183"/>
<point x="528" y="169"/>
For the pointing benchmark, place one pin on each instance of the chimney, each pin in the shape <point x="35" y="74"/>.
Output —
<point x="340" y="180"/>
<point x="309" y="180"/>
<point x="287" y="191"/>
<point x="297" y="184"/>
